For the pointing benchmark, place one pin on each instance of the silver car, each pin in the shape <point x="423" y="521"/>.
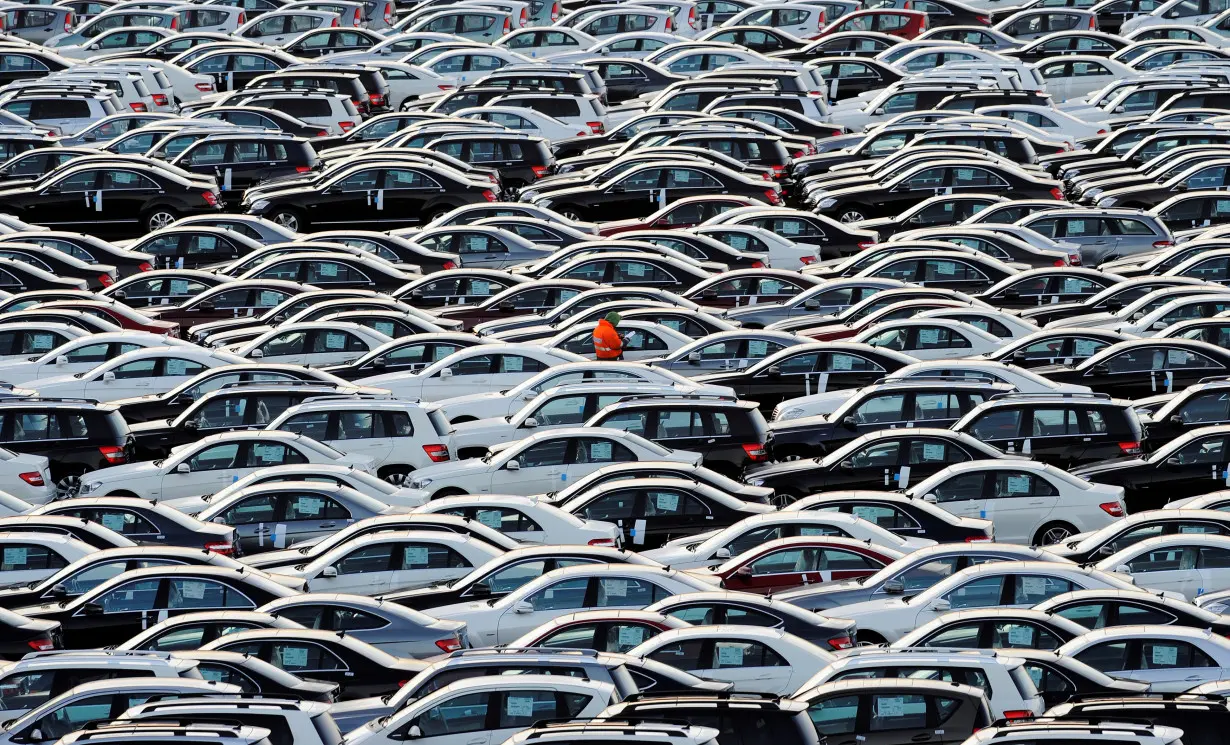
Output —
<point x="1102" y="233"/>
<point x="726" y="351"/>
<point x="827" y="298"/>
<point x="393" y="628"/>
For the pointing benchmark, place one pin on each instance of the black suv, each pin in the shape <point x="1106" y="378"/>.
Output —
<point x="1202" y="405"/>
<point x="730" y="435"/>
<point x="742" y="718"/>
<point x="76" y="435"/>
<point x="241" y="161"/>
<point x="1065" y="430"/>
<point x="521" y="159"/>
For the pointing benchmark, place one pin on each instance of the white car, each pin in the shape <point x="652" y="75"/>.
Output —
<point x="1179" y="309"/>
<point x="454" y="65"/>
<point x="706" y="549"/>
<point x="483" y="368"/>
<point x="26" y="478"/>
<point x="930" y="339"/>
<point x="801" y="20"/>
<point x="136" y="373"/>
<point x="524" y="120"/>
<point x="1031" y="503"/>
<point x="10" y="505"/>
<point x="82" y="355"/>
<point x="1169" y="658"/>
<point x="635" y="44"/>
<point x="562" y="406"/>
<point x="527" y="520"/>
<point x="460" y="409"/>
<point x="1003" y="326"/>
<point x="30" y="557"/>
<point x="1049" y="120"/>
<point x="754" y="659"/>
<point x="35" y="338"/>
<point x="542" y="462"/>
<point x="1004" y="584"/>
<point x="314" y="342"/>
<point x="1025" y="381"/>
<point x="457" y="714"/>
<point x="383" y="562"/>
<point x="783" y="252"/>
<point x="126" y="39"/>
<point x="1003" y="676"/>
<point x="642" y="340"/>
<point x="212" y="463"/>
<point x="1169" y="12"/>
<point x="1078" y="75"/>
<point x="562" y="591"/>
<point x="1183" y="563"/>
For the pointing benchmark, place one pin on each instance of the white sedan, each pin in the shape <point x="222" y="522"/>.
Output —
<point x="1184" y="563"/>
<point x="753" y="658"/>
<point x="931" y="338"/>
<point x="699" y="551"/>
<point x="35" y="338"/>
<point x="137" y="373"/>
<point x="1046" y="118"/>
<point x="1169" y="658"/>
<point x="483" y="368"/>
<point x="314" y="342"/>
<point x="82" y="355"/>
<point x="384" y="562"/>
<point x="1003" y="584"/>
<point x="642" y="340"/>
<point x="543" y="462"/>
<point x="212" y="463"/>
<point x="524" y="120"/>
<point x="527" y="520"/>
<point x="349" y="476"/>
<point x="26" y="477"/>
<point x="30" y="557"/>
<point x="1031" y="503"/>
<point x="563" y="591"/>
<point x="1004" y="326"/>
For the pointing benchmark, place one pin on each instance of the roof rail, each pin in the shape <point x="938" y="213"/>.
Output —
<point x="986" y="380"/>
<point x="1091" y="395"/>
<point x="515" y="650"/>
<point x="678" y="397"/>
<point x="94" y="652"/>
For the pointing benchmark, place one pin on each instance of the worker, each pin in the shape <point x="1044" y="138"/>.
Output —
<point x="607" y="343"/>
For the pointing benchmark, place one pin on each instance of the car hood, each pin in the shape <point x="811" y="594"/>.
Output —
<point x="1106" y="466"/>
<point x="473" y="398"/>
<point x="449" y="469"/>
<point x="867" y="608"/>
<point x="112" y="474"/>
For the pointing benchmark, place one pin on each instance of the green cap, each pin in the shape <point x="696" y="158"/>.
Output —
<point x="613" y="318"/>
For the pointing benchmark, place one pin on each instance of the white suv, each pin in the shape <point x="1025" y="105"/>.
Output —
<point x="612" y="732"/>
<point x="27" y="683"/>
<point x="1063" y="732"/>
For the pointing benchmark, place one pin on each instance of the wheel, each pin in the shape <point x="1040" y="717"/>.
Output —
<point x="853" y="213"/>
<point x="69" y="486"/>
<point x="288" y="219"/>
<point x="159" y="217"/>
<point x="449" y="492"/>
<point x="1052" y="533"/>
<point x="438" y="212"/>
<point x="870" y="638"/>
<point x="462" y="419"/>
<point x="395" y="475"/>
<point x="568" y="212"/>
<point x="465" y="453"/>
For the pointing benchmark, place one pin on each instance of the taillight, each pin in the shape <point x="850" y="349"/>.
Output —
<point x="1093" y="23"/>
<point x="346" y="126"/>
<point x="113" y="454"/>
<point x="758" y="264"/>
<point x="841" y="642"/>
<point x="985" y="20"/>
<point x="447" y="645"/>
<point x="1061" y="262"/>
<point x="242" y="19"/>
<point x="864" y="245"/>
<point x="334" y="24"/>
<point x="138" y="106"/>
<point x="1057" y="194"/>
<point x="33" y="478"/>
<point x="160" y="99"/>
<point x="105" y="280"/>
<point x="772" y="196"/>
<point x="449" y="265"/>
<point x="358" y="18"/>
<point x="226" y="548"/>
<point x="303" y="169"/>
<point x="68" y="22"/>
<point x="777" y="170"/>
<point x="210" y="198"/>
<point x="602" y="542"/>
<point x="388" y="12"/>
<point x="445" y="87"/>
<point x="437" y="453"/>
<point x="978" y="539"/>
<point x="596" y="127"/>
<point x="1130" y="448"/>
<point x="507" y="24"/>
<point x="205" y="87"/>
<point x="41" y="645"/>
<point x="523" y="18"/>
<point x="805" y="260"/>
<point x="145" y="266"/>
<point x="1162" y="244"/>
<point x="1114" y="509"/>
<point x="323" y="133"/>
<point x="757" y="452"/>
<point x="175" y="23"/>
<point x="376" y="99"/>
<point x="555" y="12"/>
<point x="540" y="171"/>
<point x="1018" y="714"/>
<point x="488" y="195"/>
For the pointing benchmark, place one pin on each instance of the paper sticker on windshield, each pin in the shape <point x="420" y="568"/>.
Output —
<point x="928" y="336"/>
<point x="933" y="452"/>
<point x="268" y="299"/>
<point x="179" y="287"/>
<point x="113" y="521"/>
<point x="866" y="513"/>
<point x="630" y="636"/>
<point x="519" y="706"/>
<point x="514" y="364"/>
<point x="636" y="270"/>
<point x="1021" y="635"/>
<point x="600" y="451"/>
<point x="1072" y="285"/>
<point x="890" y="706"/>
<point x="729" y="655"/>
<point x="1177" y="357"/>
<point x="15" y="556"/>
<point x="1018" y="485"/>
<point x="384" y="327"/>
<point x="945" y="267"/>
<point x="177" y="367"/>
<point x="842" y="362"/>
<point x="327" y="270"/>
<point x="41" y="342"/>
<point x="415" y="556"/>
<point x="490" y="518"/>
<point x="1164" y="655"/>
<point x="1033" y="585"/>
<point x="479" y="287"/>
<point x="295" y="657"/>
<point x="757" y="348"/>
<point x="309" y="505"/>
<point x="770" y="287"/>
<point x="615" y="588"/>
<point x="1085" y="348"/>
<point x="666" y="502"/>
<point x="193" y="590"/>
<point x="268" y="452"/>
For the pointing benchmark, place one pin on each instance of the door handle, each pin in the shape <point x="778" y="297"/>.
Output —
<point x="921" y="738"/>
<point x="328" y="525"/>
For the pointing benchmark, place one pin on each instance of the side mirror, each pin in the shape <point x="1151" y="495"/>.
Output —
<point x="256" y="354"/>
<point x="774" y="371"/>
<point x="1119" y="109"/>
<point x="512" y="465"/>
<point x="1158" y="326"/>
<point x="709" y="293"/>
<point x="1181" y="187"/>
<point x="218" y="521"/>
<point x="1105" y="551"/>
<point x="941" y="604"/>
<point x="1011" y="295"/>
<point x="1018" y="354"/>
<point x="878" y="111"/>
<point x="529" y="422"/>
<point x="722" y="553"/>
<point x="849" y="422"/>
<point x="1123" y="569"/>
<point x="846" y="465"/>
<point x="506" y="307"/>
<point x="694" y="358"/>
<point x="59" y="591"/>
<point x="207" y="306"/>
<point x="120" y="295"/>
<point x="1101" y="370"/>
<point x="1174" y="462"/>
<point x="1176" y="420"/>
<point x="183" y="399"/>
<point x="93" y="609"/>
<point x="446" y="372"/>
<point x="929" y="497"/>
<point x="811" y="305"/>
<point x="480" y="589"/>
<point x="894" y="587"/>
<point x="328" y="572"/>
<point x="380" y="362"/>
<point x="108" y="377"/>
<point x="618" y="189"/>
<point x="414" y="731"/>
<point x="1113" y="305"/>
<point x="183" y="468"/>
<point x="523" y="607"/>
<point x="191" y="424"/>
<point x="62" y="360"/>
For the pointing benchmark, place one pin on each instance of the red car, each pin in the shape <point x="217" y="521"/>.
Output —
<point x="117" y="313"/>
<point x="600" y="630"/>
<point x="683" y="213"/>
<point x="803" y="560"/>
<point x="908" y="24"/>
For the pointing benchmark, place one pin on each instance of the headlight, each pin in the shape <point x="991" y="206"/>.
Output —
<point x="1092" y="193"/>
<point x="420" y="483"/>
<point x="92" y="486"/>
<point x="260" y="204"/>
<point x="544" y="203"/>
<point x="756" y="482"/>
<point x="1215" y="607"/>
<point x="826" y="203"/>
<point x="794" y="413"/>
<point x="1107" y="202"/>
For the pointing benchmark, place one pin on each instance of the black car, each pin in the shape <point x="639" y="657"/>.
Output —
<point x="87" y="248"/>
<point x="1203" y="719"/>
<point x="1190" y="465"/>
<point x="1099" y="609"/>
<point x="19" y="636"/>
<point x="873" y="461"/>
<point x="379" y="196"/>
<point x="122" y="201"/>
<point x="263" y="118"/>
<point x="530" y="297"/>
<point x="33" y="164"/>
<point x="234" y="66"/>
<point x="1099" y="544"/>
<point x="845" y="44"/>
<point x="91" y="533"/>
<point x="76" y="435"/>
<point x="628" y="78"/>
<point x="1096" y="43"/>
<point x="1201" y="405"/>
<point x="1065" y="430"/>
<point x="520" y="159"/>
<point x="407" y="354"/>
<point x="395" y="249"/>
<point x="741" y="718"/>
<point x="1143" y="367"/>
<point x="809" y="368"/>
<point x="1034" y="287"/>
<point x="194" y="247"/>
<point x="1058" y="346"/>
<point x="359" y="668"/>
<point x="120" y="608"/>
<point x="903" y="515"/>
<point x="1061" y="678"/>
<point x="239" y="162"/>
<point x="256" y="676"/>
<point x="332" y="270"/>
<point x="1110" y="300"/>
<point x="722" y="607"/>
<point x="631" y="269"/>
<point x="145" y="522"/>
<point x="900" y="404"/>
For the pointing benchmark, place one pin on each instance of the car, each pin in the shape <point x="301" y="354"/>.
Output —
<point x="1045" y="730"/>
<point x="144" y="523"/>
<point x="142" y="370"/>
<point x="1152" y="563"/>
<point x="760" y="719"/>
<point x="477" y="369"/>
<point x="900" y="514"/>
<point x="1105" y="608"/>
<point x="306" y="721"/>
<point x="1183" y="467"/>
<point x="993" y="628"/>
<point x="1184" y="656"/>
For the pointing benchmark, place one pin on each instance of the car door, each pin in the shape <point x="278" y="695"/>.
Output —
<point x="542" y="467"/>
<point x="1166" y="569"/>
<point x="125" y="381"/>
<point x="126" y="609"/>
<point x="1169" y="665"/>
<point x="422" y="563"/>
<point x="404" y="193"/>
<point x="554" y="600"/>
<point x="311" y="515"/>
<point x="750" y="666"/>
<point x="634" y="195"/>
<point x="352" y="198"/>
<point x="367" y="570"/>
<point x="362" y="433"/>
<point x="1197" y="468"/>
<point x="209" y="470"/>
<point x="588" y="454"/>
<point x="473" y="374"/>
<point x="67" y="201"/>
<point x="1019" y="502"/>
<point x="253" y="519"/>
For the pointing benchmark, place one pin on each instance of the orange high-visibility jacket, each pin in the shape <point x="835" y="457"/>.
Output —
<point x="607" y="344"/>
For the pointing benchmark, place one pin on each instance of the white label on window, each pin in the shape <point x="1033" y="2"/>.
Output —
<point x="514" y="364"/>
<point x="630" y="636"/>
<point x="490" y="518"/>
<point x="113" y="521"/>
<point x="384" y="327"/>
<point x="268" y="452"/>
<point x="1192" y="529"/>
<point x="328" y="270"/>
<point x="267" y="299"/>
<point x="177" y="367"/>
<point x="519" y="706"/>
<point x="335" y="341"/>
<point x="636" y="270"/>
<point x="891" y="706"/>
<point x="415" y="556"/>
<point x="729" y="654"/>
<point x="770" y="287"/>
<point x="600" y="451"/>
<point x="1018" y="485"/>
<point x="615" y="588"/>
<point x="1033" y="585"/>
<point x="842" y="362"/>
<point x="478" y="287"/>
<point x="41" y="342"/>
<point x="814" y="531"/>
<point x="14" y="556"/>
<point x="207" y="241"/>
<point x="1035" y="674"/>
<point x="865" y="513"/>
<point x="1085" y="348"/>
<point x="945" y="267"/>
<point x="933" y="452"/>
<point x="293" y="656"/>
<point x="928" y="336"/>
<point x="193" y="590"/>
<point x="1164" y="655"/>
<point x="1176" y="357"/>
<point x="1071" y="285"/>
<point x="179" y="287"/>
<point x="1021" y="635"/>
<point x="667" y="502"/>
<point x="757" y="348"/>
<point x="309" y="505"/>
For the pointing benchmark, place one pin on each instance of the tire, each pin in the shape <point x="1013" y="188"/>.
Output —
<point x="1056" y="532"/>
<point x="452" y="491"/>
<point x="158" y="218"/>
<point x="69" y="486"/>
<point x="851" y="213"/>
<point x="870" y="638"/>
<point x="569" y="212"/>
<point x="288" y="218"/>
<point x="438" y="211"/>
<point x="395" y="475"/>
